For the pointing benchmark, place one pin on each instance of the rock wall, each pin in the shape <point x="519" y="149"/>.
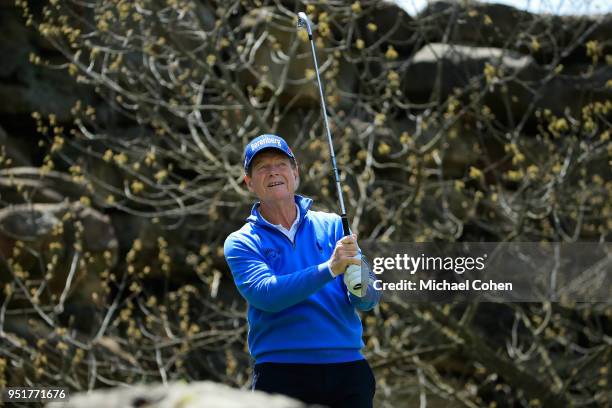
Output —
<point x="458" y="49"/>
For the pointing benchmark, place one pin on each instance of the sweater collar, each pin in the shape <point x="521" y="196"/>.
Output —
<point x="303" y="203"/>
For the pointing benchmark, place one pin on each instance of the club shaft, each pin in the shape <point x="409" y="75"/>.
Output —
<point x="329" y="138"/>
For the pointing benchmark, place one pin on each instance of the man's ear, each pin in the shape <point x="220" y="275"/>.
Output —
<point x="249" y="182"/>
<point x="296" y="174"/>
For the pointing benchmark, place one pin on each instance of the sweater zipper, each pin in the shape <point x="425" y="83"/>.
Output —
<point x="286" y="237"/>
<point x="297" y="230"/>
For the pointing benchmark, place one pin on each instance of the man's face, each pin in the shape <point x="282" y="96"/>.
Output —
<point x="272" y="176"/>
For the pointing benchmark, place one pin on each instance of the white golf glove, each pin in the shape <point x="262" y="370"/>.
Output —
<point x="352" y="280"/>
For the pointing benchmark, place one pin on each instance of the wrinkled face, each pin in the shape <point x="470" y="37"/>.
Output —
<point x="273" y="176"/>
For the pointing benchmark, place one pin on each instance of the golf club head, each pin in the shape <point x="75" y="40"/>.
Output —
<point x="303" y="21"/>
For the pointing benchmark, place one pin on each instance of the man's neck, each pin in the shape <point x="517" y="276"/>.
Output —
<point x="283" y="213"/>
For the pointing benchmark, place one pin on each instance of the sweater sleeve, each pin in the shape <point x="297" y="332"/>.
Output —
<point x="259" y="284"/>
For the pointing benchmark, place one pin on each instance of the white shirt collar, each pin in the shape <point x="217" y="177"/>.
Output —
<point x="289" y="233"/>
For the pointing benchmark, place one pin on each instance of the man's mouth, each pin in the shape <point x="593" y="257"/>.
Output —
<point x="276" y="183"/>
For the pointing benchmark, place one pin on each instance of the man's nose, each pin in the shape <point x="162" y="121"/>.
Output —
<point x="274" y="168"/>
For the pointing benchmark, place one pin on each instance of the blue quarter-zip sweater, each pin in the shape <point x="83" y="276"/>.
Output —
<point x="297" y="312"/>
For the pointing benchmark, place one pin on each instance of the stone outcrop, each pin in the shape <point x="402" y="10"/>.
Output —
<point x="74" y="239"/>
<point x="14" y="149"/>
<point x="394" y="27"/>
<point x="457" y="65"/>
<point x="27" y="87"/>
<point x="523" y="80"/>
<point x="499" y="25"/>
<point x="204" y="394"/>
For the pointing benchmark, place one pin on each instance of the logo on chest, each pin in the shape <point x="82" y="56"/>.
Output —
<point x="271" y="254"/>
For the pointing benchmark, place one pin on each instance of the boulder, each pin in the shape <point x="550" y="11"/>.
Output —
<point x="503" y="26"/>
<point x="394" y="27"/>
<point x="283" y="58"/>
<point x="459" y="66"/>
<point x="203" y="394"/>
<point x="41" y="227"/>
<point x="15" y="149"/>
<point x="30" y="184"/>
<point x="34" y="225"/>
<point x="266" y="72"/>
<point x="30" y="87"/>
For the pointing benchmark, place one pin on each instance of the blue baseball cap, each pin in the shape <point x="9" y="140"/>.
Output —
<point x="263" y="142"/>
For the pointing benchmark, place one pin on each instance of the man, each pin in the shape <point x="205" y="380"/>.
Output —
<point x="287" y="262"/>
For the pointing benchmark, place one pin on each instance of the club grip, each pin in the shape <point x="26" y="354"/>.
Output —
<point x="345" y="225"/>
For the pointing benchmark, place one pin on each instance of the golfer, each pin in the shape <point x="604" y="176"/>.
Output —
<point x="287" y="262"/>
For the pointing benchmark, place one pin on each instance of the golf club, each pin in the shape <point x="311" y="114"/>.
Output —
<point x="304" y="22"/>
